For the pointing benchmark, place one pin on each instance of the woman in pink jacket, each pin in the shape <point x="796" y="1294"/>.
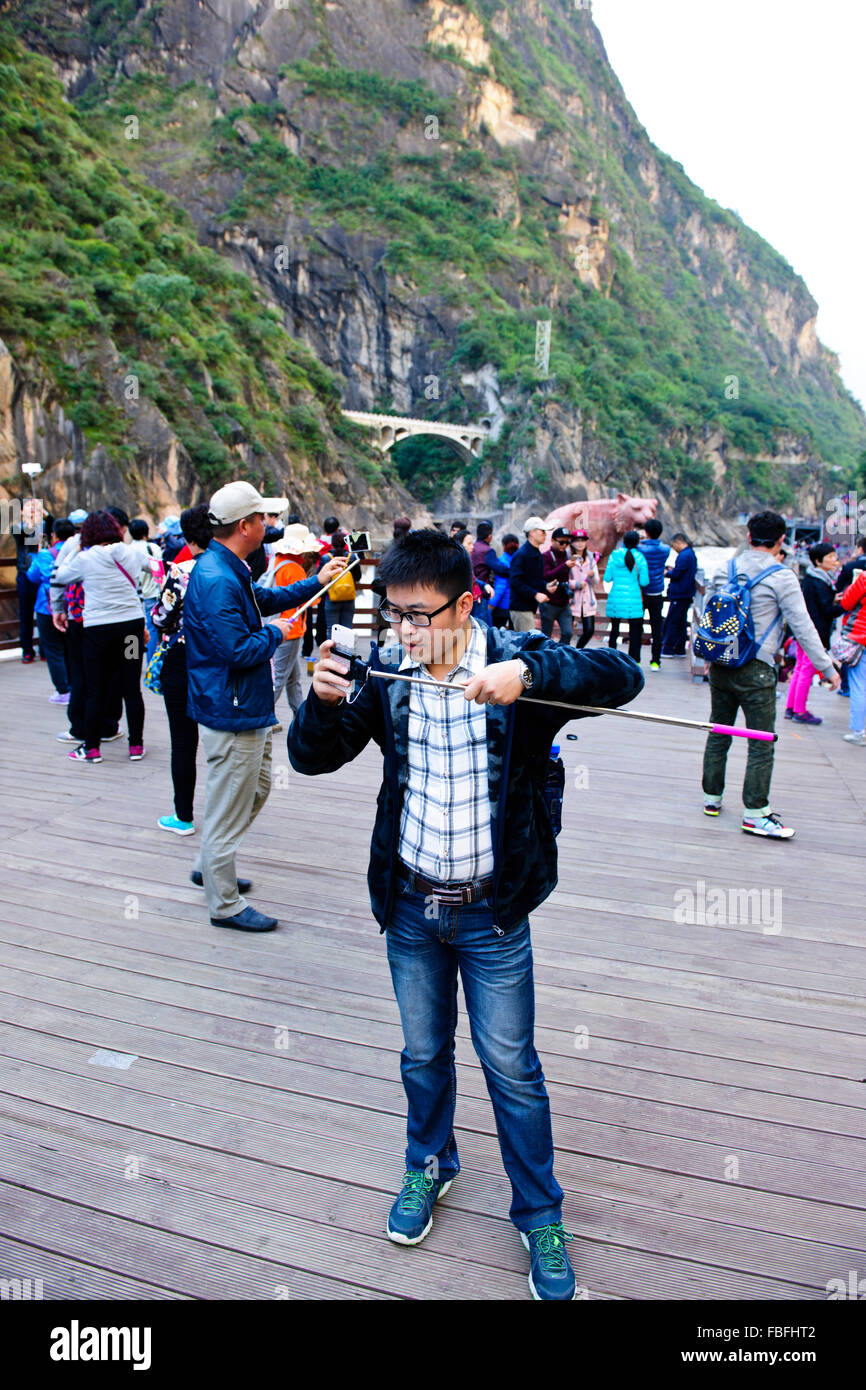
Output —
<point x="582" y="578"/>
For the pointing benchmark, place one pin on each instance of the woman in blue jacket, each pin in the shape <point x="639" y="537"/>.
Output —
<point x="627" y="572"/>
<point x="52" y="642"/>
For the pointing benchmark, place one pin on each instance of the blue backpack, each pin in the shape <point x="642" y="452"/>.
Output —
<point x="726" y="632"/>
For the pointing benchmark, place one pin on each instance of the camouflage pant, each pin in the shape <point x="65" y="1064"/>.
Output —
<point x="751" y="688"/>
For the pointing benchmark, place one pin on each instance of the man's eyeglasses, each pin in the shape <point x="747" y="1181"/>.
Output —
<point x="394" y="615"/>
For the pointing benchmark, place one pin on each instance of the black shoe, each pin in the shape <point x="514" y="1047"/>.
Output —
<point x="244" y="884"/>
<point x="248" y="920"/>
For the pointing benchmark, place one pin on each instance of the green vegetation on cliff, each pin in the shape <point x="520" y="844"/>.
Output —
<point x="690" y="331"/>
<point x="92" y="259"/>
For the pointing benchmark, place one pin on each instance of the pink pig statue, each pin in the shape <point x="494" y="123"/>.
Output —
<point x="606" y="519"/>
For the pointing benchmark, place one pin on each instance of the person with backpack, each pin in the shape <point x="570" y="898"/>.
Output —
<point x="749" y="601"/>
<point x="293" y="560"/>
<point x="655" y="552"/>
<point x="340" y="599"/>
<point x="820" y="599"/>
<point x="627" y="573"/>
<point x="852" y="641"/>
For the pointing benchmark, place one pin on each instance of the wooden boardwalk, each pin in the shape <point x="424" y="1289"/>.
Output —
<point x="706" y="1078"/>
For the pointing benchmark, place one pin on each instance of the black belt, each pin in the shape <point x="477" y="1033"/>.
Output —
<point x="449" y="894"/>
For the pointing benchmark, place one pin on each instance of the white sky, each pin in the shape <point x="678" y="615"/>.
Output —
<point x="762" y="102"/>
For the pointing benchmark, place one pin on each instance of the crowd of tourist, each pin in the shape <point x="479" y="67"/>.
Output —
<point x="108" y="602"/>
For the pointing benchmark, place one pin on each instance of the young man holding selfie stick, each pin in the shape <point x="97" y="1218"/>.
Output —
<point x="231" y="694"/>
<point x="463" y="850"/>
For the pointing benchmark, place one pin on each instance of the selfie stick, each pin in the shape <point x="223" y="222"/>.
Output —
<point x="325" y="587"/>
<point x="762" y="734"/>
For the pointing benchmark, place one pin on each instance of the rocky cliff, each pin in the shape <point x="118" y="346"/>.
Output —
<point x="412" y="185"/>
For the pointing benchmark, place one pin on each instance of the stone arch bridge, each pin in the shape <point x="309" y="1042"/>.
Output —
<point x="389" y="430"/>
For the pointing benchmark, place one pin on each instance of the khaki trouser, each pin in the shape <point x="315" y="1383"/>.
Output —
<point x="238" y="782"/>
<point x="287" y="673"/>
<point x="522" y="622"/>
<point x="751" y="688"/>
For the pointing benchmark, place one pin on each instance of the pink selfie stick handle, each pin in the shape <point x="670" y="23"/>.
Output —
<point x="745" y="733"/>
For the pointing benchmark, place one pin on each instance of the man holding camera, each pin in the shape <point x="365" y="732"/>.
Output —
<point x="231" y="694"/>
<point x="463" y="850"/>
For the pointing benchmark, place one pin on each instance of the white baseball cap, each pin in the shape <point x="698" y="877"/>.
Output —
<point x="535" y="523"/>
<point x="237" y="500"/>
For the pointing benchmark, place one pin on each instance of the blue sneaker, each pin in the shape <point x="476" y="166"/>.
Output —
<point x="551" y="1275"/>
<point x="180" y="827"/>
<point x="411" y="1216"/>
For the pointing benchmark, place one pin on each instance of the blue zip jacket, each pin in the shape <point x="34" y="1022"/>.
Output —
<point x="40" y="572"/>
<point x="228" y="649"/>
<point x="322" y="738"/>
<point x="625" y="599"/>
<point x="655" y="553"/>
<point x="501" y="587"/>
<point x="682" y="580"/>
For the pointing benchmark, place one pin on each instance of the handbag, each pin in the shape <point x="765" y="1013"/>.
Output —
<point x="846" y="651"/>
<point x="153" y="674"/>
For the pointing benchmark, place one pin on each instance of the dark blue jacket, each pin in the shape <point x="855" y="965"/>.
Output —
<point x="526" y="578"/>
<point x="655" y="553"/>
<point x="228" y="650"/>
<point x="682" y="580"/>
<point x="322" y="738"/>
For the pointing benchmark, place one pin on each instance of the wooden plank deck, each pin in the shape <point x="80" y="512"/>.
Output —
<point x="710" y="1134"/>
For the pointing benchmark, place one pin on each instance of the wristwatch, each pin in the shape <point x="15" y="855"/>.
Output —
<point x="526" y="675"/>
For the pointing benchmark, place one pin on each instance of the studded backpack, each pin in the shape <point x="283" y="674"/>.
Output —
<point x="726" y="634"/>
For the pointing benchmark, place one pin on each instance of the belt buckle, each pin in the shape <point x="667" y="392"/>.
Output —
<point x="460" y="896"/>
<point x="450" y="897"/>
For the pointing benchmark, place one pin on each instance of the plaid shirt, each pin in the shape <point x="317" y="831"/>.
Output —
<point x="445" y="826"/>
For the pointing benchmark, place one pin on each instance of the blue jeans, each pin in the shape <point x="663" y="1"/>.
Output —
<point x="153" y="634"/>
<point x="340" y="611"/>
<point x="857" y="687"/>
<point x="426" y="944"/>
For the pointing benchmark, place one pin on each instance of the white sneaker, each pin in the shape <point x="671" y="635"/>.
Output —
<point x="856" y="738"/>
<point x="769" y="826"/>
<point x="67" y="737"/>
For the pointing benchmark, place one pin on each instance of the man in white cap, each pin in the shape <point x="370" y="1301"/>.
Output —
<point x="231" y="695"/>
<point x="526" y="576"/>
